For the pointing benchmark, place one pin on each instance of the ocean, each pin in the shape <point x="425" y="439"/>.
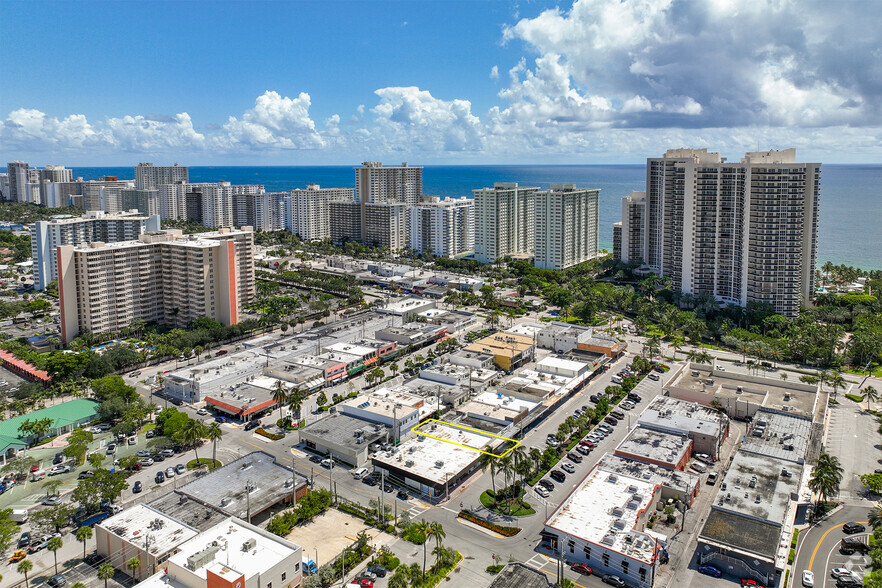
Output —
<point x="850" y="230"/>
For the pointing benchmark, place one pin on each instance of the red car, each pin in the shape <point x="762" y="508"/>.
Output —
<point x="364" y="582"/>
<point x="35" y="467"/>
<point x="612" y="420"/>
<point x="590" y="444"/>
<point x="748" y="582"/>
<point x="581" y="568"/>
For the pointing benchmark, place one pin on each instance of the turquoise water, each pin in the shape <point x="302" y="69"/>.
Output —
<point x="851" y="195"/>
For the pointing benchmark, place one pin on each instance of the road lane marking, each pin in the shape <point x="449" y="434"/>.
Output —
<point x="821" y="540"/>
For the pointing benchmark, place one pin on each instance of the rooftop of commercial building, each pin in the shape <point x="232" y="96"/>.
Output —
<point x="654" y="445"/>
<point x="732" y="530"/>
<point x="771" y="393"/>
<point x="500" y="399"/>
<point x="603" y="509"/>
<point x="343" y="430"/>
<point x="441" y="457"/>
<point x="502" y="344"/>
<point x="385" y="402"/>
<point x="518" y="575"/>
<point x="179" y="507"/>
<point x="677" y="480"/>
<point x="407" y="305"/>
<point x="559" y="363"/>
<point x="351" y="349"/>
<point x="680" y="415"/>
<point x="526" y="329"/>
<point x="782" y="436"/>
<point x="149" y="529"/>
<point x="756" y="486"/>
<point x="225" y="488"/>
<point x="242" y="549"/>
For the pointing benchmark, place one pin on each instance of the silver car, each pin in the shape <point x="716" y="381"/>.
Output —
<point x="169" y="472"/>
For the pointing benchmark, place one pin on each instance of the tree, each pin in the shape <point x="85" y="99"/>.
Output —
<point x="25" y="566"/>
<point x="52" y="520"/>
<point x="870" y="395"/>
<point x="104" y="486"/>
<point x="105" y="572"/>
<point x="873" y="482"/>
<point x="295" y="402"/>
<point x="78" y="445"/>
<point x="875" y="518"/>
<point x="280" y="394"/>
<point x="394" y="367"/>
<point x="436" y="530"/>
<point x="422" y="527"/>
<point x="214" y="433"/>
<point x="8" y="529"/>
<point x="322" y="399"/>
<point x="192" y="433"/>
<point x="835" y="380"/>
<point x="133" y="564"/>
<point x="54" y="544"/>
<point x="83" y="534"/>
<point x="20" y="465"/>
<point x="826" y="476"/>
<point x="96" y="459"/>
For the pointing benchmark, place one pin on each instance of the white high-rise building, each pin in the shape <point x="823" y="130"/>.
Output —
<point x="566" y="226"/>
<point x="306" y="212"/>
<point x="504" y="221"/>
<point x="105" y="194"/>
<point x="443" y="227"/>
<point x="18" y="178"/>
<point x="95" y="226"/>
<point x="375" y="183"/>
<point x="742" y="232"/>
<point x="262" y="211"/>
<point x="148" y="175"/>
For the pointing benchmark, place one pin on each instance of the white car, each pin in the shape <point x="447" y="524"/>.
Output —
<point x="202" y="412"/>
<point x="721" y="368"/>
<point x="541" y="491"/>
<point x="808" y="578"/>
<point x="843" y="573"/>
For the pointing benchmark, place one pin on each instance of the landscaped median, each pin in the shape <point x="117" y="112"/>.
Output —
<point x="506" y="503"/>
<point x="504" y="531"/>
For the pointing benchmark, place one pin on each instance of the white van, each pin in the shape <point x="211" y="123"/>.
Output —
<point x="360" y="473"/>
<point x="19" y="515"/>
<point x="38" y="475"/>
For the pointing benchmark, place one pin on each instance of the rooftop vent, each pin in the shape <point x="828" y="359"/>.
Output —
<point x="249" y="544"/>
<point x="200" y="558"/>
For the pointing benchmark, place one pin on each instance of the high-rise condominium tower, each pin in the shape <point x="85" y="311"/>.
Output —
<point x="148" y="175"/>
<point x="742" y="232"/>
<point x="375" y="183"/>
<point x="306" y="212"/>
<point x="444" y="227"/>
<point x="566" y="226"/>
<point x="504" y="221"/>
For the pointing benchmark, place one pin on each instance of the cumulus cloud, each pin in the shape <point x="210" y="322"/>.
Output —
<point x="276" y="122"/>
<point x="147" y="134"/>
<point x="494" y="72"/>
<point x="29" y="129"/>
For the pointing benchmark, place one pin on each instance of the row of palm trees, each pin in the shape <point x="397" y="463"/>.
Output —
<point x="429" y="530"/>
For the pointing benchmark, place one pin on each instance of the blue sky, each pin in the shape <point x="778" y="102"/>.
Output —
<point x="475" y="82"/>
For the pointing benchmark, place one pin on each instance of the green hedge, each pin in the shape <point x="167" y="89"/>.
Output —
<point x="504" y="531"/>
<point x="495" y="569"/>
<point x="268" y="435"/>
<point x="854" y="397"/>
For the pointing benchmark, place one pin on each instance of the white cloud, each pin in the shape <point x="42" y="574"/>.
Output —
<point x="143" y="134"/>
<point x="30" y="129"/>
<point x="274" y="122"/>
<point x="494" y="72"/>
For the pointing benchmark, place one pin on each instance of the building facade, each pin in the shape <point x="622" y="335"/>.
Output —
<point x="18" y="179"/>
<point x="504" y="221"/>
<point x="741" y="232"/>
<point x="306" y="213"/>
<point x="162" y="277"/>
<point x="444" y="227"/>
<point x="148" y="175"/>
<point x="567" y="226"/>
<point x="375" y="183"/>
<point x="46" y="236"/>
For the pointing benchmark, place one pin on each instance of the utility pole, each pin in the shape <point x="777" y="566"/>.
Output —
<point x="249" y="486"/>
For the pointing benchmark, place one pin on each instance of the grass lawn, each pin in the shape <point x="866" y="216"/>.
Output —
<point x="203" y="461"/>
<point x="875" y="371"/>
<point x="519" y="508"/>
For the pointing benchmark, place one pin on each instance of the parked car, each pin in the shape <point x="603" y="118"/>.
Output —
<point x="160" y="478"/>
<point x="158" y="457"/>
<point x="315" y="459"/>
<point x="614" y="581"/>
<point x="143" y="453"/>
<point x="840" y="572"/>
<point x="56" y="581"/>
<point x="59" y="469"/>
<point x="150" y="434"/>
<point x="594" y="398"/>
<point x="557" y="476"/>
<point x="51" y="501"/>
<point x="167" y="453"/>
<point x="132" y="440"/>
<point x="111" y="449"/>
<point x="146" y="462"/>
<point x="220" y="419"/>
<point x="853" y="528"/>
<point x="542" y="491"/>
<point x="583" y="449"/>
<point x="402" y="495"/>
<point x="252" y="424"/>
<point x="573" y="456"/>
<point x="378" y="571"/>
<point x="24" y="540"/>
<point x="712" y="478"/>
<point x="568" y="467"/>
<point x="328" y="463"/>
<point x="85" y="474"/>
<point x="546" y="483"/>
<point x="202" y="412"/>
<point x="612" y="420"/>
<point x="581" y="568"/>
<point x="847" y="582"/>
<point x="180" y="469"/>
<point x="169" y="472"/>
<point x="710" y="571"/>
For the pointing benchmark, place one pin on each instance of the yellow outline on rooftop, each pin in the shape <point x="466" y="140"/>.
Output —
<point x="479" y="431"/>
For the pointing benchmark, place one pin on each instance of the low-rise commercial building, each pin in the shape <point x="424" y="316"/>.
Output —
<point x="232" y="554"/>
<point x="344" y="438"/>
<point x="655" y="447"/>
<point x="64" y="417"/>
<point x="510" y="351"/>
<point x="407" y="307"/>
<point x="411" y="334"/>
<point x="396" y="409"/>
<point x="600" y="524"/>
<point x="706" y="427"/>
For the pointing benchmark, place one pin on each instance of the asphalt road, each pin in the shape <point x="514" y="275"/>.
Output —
<point x="818" y="548"/>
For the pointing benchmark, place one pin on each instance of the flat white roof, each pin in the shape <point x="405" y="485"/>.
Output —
<point x="267" y="551"/>
<point x="561" y="363"/>
<point x="408" y="305"/>
<point x="384" y="401"/>
<point x="603" y="510"/>
<point x="500" y="399"/>
<point x="436" y="460"/>
<point x="140" y="521"/>
<point x="351" y="349"/>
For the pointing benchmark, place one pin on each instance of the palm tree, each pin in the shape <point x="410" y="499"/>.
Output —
<point x="677" y="342"/>
<point x="280" y="394"/>
<point x="54" y="545"/>
<point x="875" y="517"/>
<point x="835" y="380"/>
<point x="192" y="433"/>
<point x="519" y="456"/>
<point x="105" y="572"/>
<point x="826" y="476"/>
<point x="133" y="564"/>
<point x="422" y="527"/>
<point x="295" y="401"/>
<point x="214" y="433"/>
<point x="437" y="531"/>
<point x="870" y="394"/>
<point x="493" y="474"/>
<point x="25" y="566"/>
<point x="83" y="534"/>
<point x="394" y="367"/>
